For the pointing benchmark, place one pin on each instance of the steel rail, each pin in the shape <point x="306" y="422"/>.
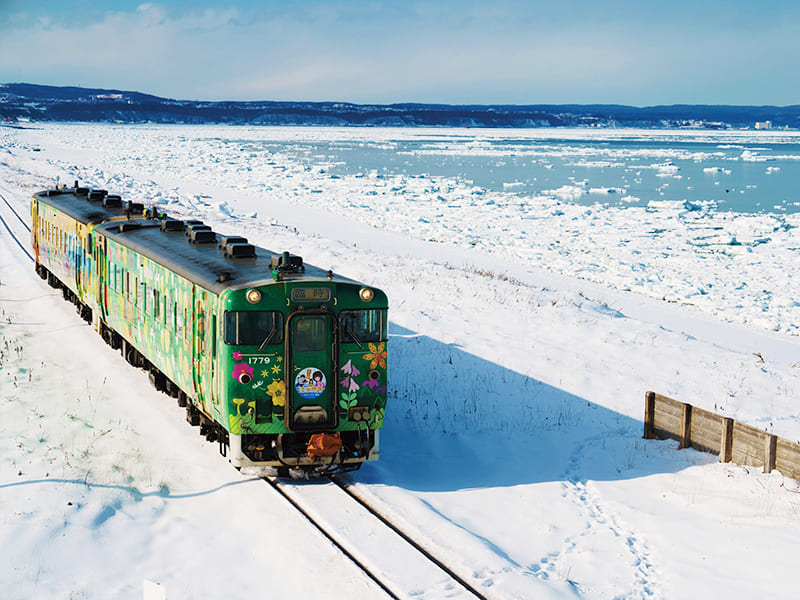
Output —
<point x="10" y="231"/>
<point x="16" y="214"/>
<point x="345" y="487"/>
<point x="276" y="486"/>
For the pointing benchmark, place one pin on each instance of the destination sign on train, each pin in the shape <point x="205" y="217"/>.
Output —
<point x="311" y="294"/>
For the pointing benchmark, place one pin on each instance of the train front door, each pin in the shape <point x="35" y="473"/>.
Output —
<point x="311" y="372"/>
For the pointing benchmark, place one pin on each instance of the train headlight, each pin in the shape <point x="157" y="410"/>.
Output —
<point x="253" y="296"/>
<point x="366" y="294"/>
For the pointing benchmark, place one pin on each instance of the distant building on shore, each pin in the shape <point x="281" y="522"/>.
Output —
<point x="763" y="124"/>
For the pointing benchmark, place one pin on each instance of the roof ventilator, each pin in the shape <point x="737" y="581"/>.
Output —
<point x="112" y="201"/>
<point x="202" y="236"/>
<point x="171" y="225"/>
<point x="195" y="226"/>
<point x="224" y="240"/>
<point x="97" y="195"/>
<point x="240" y="251"/>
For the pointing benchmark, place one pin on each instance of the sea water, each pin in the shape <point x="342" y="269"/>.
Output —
<point x="741" y="171"/>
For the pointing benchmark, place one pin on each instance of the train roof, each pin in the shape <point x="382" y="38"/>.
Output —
<point x="205" y="261"/>
<point x="75" y="203"/>
<point x="204" y="264"/>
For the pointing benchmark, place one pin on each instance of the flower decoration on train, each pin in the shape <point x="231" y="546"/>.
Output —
<point x="349" y="369"/>
<point x="372" y="382"/>
<point x="277" y="390"/>
<point x="243" y="373"/>
<point x="376" y="355"/>
<point x="349" y="382"/>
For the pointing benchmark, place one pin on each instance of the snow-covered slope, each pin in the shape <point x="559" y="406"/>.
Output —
<point x="512" y="442"/>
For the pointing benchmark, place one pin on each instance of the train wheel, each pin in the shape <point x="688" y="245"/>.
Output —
<point x="107" y="335"/>
<point x="131" y="355"/>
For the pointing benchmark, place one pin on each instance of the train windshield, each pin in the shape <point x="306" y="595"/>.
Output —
<point x="253" y="327"/>
<point x="362" y="326"/>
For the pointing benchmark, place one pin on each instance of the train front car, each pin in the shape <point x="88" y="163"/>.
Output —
<point x="303" y="359"/>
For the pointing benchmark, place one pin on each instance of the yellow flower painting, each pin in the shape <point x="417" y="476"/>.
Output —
<point x="377" y="355"/>
<point x="277" y="389"/>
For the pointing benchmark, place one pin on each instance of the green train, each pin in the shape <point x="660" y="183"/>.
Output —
<point x="282" y="363"/>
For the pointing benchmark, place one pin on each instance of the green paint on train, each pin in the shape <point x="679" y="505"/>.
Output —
<point x="283" y="363"/>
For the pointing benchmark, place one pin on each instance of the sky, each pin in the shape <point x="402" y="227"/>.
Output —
<point x="630" y="52"/>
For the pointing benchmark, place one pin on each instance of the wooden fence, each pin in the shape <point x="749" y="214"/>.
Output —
<point x="709" y="432"/>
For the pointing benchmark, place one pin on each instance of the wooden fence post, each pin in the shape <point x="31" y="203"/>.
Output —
<point x="726" y="443"/>
<point x="649" y="415"/>
<point x="753" y="445"/>
<point x="770" y="451"/>
<point x="686" y="426"/>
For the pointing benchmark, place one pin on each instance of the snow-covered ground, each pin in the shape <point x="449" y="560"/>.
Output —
<point x="523" y="337"/>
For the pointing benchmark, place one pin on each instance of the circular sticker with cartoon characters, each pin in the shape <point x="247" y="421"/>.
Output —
<point x="310" y="383"/>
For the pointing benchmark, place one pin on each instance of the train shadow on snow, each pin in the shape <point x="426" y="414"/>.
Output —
<point x="457" y="421"/>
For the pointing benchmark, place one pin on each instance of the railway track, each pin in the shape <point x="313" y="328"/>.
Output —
<point x="397" y="563"/>
<point x="12" y="222"/>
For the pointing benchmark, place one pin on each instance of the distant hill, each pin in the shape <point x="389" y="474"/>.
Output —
<point x="49" y="103"/>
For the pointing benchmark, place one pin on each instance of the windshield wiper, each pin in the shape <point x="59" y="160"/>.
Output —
<point x="354" y="336"/>
<point x="267" y="339"/>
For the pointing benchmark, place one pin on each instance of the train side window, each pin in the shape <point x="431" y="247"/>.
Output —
<point x="213" y="335"/>
<point x="361" y="326"/>
<point x="156" y="306"/>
